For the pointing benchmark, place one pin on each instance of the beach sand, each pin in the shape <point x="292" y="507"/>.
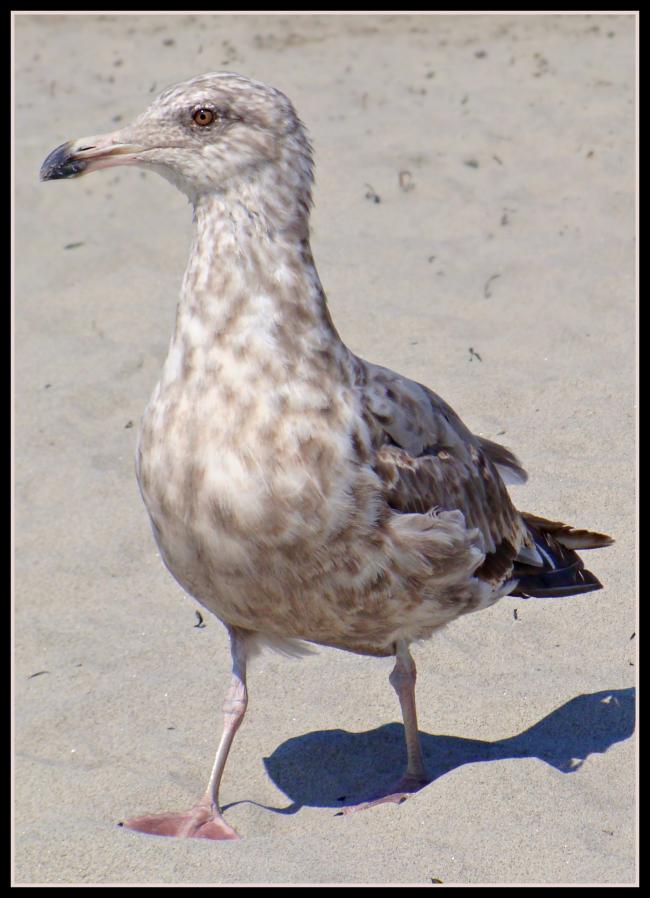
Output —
<point x="499" y="270"/>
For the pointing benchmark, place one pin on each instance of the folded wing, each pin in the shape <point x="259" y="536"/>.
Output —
<point x="429" y="460"/>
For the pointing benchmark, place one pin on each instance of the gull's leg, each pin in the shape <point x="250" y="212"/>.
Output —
<point x="204" y="820"/>
<point x="402" y="679"/>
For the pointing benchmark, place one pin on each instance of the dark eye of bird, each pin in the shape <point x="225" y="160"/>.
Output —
<point x="203" y="116"/>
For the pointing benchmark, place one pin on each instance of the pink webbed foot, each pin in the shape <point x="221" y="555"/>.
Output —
<point x="406" y="786"/>
<point x="200" y="822"/>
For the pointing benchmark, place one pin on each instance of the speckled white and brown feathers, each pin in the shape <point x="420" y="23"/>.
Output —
<point x="428" y="459"/>
<point x="295" y="490"/>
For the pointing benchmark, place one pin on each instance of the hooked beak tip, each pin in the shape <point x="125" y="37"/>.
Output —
<point x="60" y="163"/>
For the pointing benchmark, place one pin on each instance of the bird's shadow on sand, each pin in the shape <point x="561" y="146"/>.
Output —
<point x="334" y="768"/>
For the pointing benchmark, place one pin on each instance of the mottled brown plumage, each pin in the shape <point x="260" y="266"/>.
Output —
<point x="299" y="493"/>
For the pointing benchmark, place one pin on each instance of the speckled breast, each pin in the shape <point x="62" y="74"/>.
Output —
<point x="247" y="506"/>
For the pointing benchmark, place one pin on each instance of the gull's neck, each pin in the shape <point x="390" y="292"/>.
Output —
<point x="251" y="297"/>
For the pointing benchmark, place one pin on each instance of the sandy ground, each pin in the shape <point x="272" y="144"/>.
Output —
<point x="515" y="239"/>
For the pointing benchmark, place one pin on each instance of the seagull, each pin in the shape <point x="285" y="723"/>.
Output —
<point x="303" y="495"/>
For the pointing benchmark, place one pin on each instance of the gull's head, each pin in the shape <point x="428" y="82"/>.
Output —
<point x="213" y="133"/>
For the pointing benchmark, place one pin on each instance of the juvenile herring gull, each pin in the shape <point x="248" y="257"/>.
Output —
<point x="298" y="492"/>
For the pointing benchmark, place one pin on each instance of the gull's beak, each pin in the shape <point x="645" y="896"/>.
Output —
<point x="88" y="154"/>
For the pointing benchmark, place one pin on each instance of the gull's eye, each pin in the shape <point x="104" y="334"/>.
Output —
<point x="203" y="116"/>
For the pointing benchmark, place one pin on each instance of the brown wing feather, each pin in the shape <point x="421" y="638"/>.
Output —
<point x="428" y="459"/>
<point x="570" y="537"/>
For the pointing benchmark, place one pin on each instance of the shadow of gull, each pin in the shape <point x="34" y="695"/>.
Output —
<point x="334" y="768"/>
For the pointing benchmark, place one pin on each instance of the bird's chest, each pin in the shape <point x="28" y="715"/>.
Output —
<point x="232" y="477"/>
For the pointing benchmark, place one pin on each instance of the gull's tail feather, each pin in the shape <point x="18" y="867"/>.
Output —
<point x="568" y="536"/>
<point x="563" y="572"/>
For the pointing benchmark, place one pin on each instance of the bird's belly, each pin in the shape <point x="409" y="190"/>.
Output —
<point x="282" y="528"/>
<point x="253" y="530"/>
<point x="283" y="567"/>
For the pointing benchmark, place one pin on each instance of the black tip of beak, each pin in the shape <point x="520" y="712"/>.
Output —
<point x="60" y="164"/>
